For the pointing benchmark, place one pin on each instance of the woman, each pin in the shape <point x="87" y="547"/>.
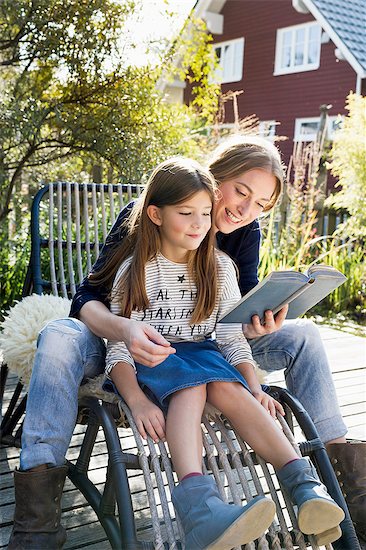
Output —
<point x="243" y="168"/>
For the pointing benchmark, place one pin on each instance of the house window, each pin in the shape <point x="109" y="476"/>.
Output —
<point x="306" y="129"/>
<point x="334" y="123"/>
<point x="298" y="48"/>
<point x="230" y="55"/>
<point x="267" y="128"/>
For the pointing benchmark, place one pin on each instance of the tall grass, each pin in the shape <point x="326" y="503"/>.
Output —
<point x="291" y="238"/>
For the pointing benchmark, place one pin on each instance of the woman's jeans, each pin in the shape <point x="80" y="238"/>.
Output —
<point x="68" y="352"/>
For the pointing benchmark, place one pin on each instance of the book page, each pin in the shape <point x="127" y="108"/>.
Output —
<point x="324" y="283"/>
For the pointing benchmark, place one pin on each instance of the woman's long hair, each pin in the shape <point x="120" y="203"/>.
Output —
<point x="239" y="154"/>
<point x="172" y="182"/>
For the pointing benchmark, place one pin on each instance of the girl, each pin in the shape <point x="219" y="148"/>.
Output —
<point x="172" y="278"/>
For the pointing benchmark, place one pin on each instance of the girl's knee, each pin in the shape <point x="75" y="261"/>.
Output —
<point x="224" y="390"/>
<point x="192" y="393"/>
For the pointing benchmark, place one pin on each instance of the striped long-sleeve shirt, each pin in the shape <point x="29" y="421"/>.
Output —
<point x="172" y="298"/>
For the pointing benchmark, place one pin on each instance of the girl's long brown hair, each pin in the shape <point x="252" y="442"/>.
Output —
<point x="171" y="183"/>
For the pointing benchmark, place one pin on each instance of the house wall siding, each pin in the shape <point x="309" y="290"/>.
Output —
<point x="286" y="97"/>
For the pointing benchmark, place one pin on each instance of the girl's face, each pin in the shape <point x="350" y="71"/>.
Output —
<point x="242" y="199"/>
<point x="182" y="226"/>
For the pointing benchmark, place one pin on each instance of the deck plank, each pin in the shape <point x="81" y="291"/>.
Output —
<point x="347" y="356"/>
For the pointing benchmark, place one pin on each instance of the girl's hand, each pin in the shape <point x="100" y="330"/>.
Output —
<point x="145" y="344"/>
<point x="271" y="324"/>
<point x="270" y="404"/>
<point x="149" y="419"/>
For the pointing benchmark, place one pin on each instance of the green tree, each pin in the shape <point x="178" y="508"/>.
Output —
<point x="348" y="164"/>
<point x="66" y="90"/>
<point x="67" y="97"/>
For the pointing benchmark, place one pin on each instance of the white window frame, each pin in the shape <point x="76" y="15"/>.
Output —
<point x="292" y="68"/>
<point x="298" y="136"/>
<point x="236" y="72"/>
<point x="333" y="123"/>
<point x="267" y="128"/>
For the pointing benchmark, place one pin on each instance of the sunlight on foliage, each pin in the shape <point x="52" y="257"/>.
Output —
<point x="348" y="164"/>
<point x="70" y="101"/>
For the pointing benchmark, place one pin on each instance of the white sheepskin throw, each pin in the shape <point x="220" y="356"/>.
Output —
<point x="21" y="326"/>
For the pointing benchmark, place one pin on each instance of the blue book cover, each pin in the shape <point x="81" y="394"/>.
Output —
<point x="301" y="291"/>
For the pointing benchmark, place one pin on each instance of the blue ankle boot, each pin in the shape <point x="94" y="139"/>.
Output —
<point x="317" y="512"/>
<point x="211" y="524"/>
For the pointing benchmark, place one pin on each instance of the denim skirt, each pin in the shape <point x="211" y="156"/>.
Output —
<point x="193" y="364"/>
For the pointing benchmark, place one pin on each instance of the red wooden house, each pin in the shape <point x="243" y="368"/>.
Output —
<point x="288" y="57"/>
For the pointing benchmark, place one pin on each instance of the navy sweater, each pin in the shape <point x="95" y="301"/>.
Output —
<point x="242" y="246"/>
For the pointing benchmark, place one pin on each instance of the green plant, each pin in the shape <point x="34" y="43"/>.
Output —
<point x="290" y="239"/>
<point x="348" y="164"/>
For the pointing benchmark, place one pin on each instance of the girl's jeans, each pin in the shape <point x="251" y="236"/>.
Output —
<point x="68" y="352"/>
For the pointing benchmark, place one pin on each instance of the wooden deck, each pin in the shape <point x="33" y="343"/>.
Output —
<point x="347" y="355"/>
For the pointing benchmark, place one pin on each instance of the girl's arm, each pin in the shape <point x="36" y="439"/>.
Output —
<point x="148" y="417"/>
<point x="233" y="343"/>
<point x="120" y="367"/>
<point x="268" y="402"/>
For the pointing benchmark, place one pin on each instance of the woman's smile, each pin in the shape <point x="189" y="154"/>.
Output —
<point x="232" y="217"/>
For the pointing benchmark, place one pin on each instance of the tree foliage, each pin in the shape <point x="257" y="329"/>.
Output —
<point x="69" y="98"/>
<point x="348" y="164"/>
<point x="67" y="90"/>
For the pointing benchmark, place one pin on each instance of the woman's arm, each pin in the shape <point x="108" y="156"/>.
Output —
<point x="90" y="304"/>
<point x="87" y="291"/>
<point x="148" y="417"/>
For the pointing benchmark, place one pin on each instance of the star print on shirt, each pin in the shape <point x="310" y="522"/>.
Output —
<point x="181" y="278"/>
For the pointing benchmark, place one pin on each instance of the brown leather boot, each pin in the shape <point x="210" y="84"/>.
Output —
<point x="349" y="463"/>
<point x="38" y="510"/>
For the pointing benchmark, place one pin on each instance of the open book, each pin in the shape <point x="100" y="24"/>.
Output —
<point x="301" y="291"/>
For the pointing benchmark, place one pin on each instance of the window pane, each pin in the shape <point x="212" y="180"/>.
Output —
<point x="314" y="32"/>
<point x="299" y="46"/>
<point x="300" y="36"/>
<point x="218" y="52"/>
<point x="286" y="57"/>
<point x="228" y="61"/>
<point x="287" y="38"/>
<point x="267" y="128"/>
<point x="313" y="52"/>
<point x="309" y="128"/>
<point x="299" y="55"/>
<point x="238" y="60"/>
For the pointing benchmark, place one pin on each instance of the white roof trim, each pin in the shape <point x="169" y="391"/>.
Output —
<point x="336" y="39"/>
<point x="201" y="6"/>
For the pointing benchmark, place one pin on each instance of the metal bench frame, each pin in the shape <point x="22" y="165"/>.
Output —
<point x="121" y="528"/>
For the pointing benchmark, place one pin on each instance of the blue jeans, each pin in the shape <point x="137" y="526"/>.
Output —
<point x="298" y="349"/>
<point x="68" y="352"/>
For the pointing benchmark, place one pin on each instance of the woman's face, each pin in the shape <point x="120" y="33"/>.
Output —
<point x="242" y="199"/>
